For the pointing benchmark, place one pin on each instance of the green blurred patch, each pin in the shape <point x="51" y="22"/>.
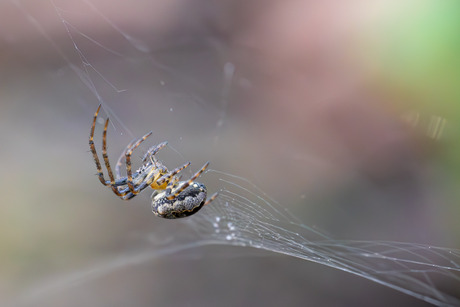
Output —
<point x="417" y="48"/>
<point x="412" y="49"/>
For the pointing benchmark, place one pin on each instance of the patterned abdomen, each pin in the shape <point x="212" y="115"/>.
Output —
<point x="188" y="202"/>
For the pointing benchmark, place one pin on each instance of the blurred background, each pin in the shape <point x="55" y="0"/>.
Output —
<point x="345" y="113"/>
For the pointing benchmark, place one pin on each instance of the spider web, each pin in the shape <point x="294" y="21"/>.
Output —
<point x="242" y="215"/>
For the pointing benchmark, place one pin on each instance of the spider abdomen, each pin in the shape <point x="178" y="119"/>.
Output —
<point x="188" y="202"/>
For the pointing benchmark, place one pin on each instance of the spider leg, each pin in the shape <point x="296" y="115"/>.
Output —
<point x="147" y="181"/>
<point x="186" y="184"/>
<point x="126" y="194"/>
<point x="104" y="152"/>
<point x="113" y="185"/>
<point x="123" y="180"/>
<point x="93" y="149"/>
<point x="167" y="177"/>
<point x="171" y="184"/>
<point x="100" y="174"/>
<point x="128" y="154"/>
<point x="153" y="151"/>
<point x="211" y="198"/>
<point x="118" y="165"/>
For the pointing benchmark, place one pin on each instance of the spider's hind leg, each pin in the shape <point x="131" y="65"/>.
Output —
<point x="210" y="199"/>
<point x="167" y="177"/>
<point x="187" y="183"/>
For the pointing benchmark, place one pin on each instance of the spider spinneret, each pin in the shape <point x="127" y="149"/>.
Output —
<point x="171" y="198"/>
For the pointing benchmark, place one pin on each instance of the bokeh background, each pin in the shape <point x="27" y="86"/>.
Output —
<point x="344" y="112"/>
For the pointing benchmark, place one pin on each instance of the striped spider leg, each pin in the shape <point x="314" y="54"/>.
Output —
<point x="171" y="198"/>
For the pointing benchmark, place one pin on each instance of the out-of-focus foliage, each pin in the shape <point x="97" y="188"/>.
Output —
<point x="413" y="52"/>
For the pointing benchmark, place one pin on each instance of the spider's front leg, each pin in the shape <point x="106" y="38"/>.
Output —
<point x="173" y="194"/>
<point x="150" y="154"/>
<point x="128" y="153"/>
<point x="100" y="174"/>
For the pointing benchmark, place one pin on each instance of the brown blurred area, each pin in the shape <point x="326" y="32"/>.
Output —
<point x="309" y="117"/>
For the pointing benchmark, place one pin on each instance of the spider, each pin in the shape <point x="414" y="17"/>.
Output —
<point x="171" y="197"/>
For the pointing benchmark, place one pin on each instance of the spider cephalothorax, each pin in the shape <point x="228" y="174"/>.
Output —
<point x="171" y="198"/>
